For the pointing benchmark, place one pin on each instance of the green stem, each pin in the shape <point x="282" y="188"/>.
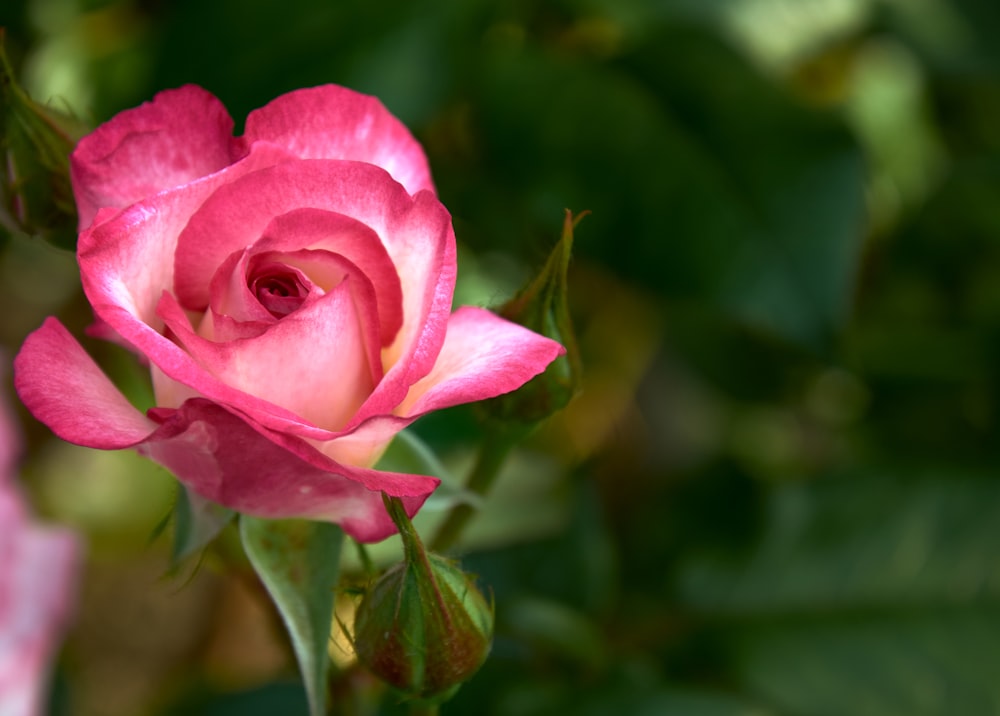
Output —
<point x="495" y="448"/>
<point x="366" y="561"/>
<point x="411" y="540"/>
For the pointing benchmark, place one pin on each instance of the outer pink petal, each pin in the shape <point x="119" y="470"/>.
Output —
<point x="426" y="303"/>
<point x="254" y="471"/>
<point x="178" y="137"/>
<point x="364" y="444"/>
<point x="63" y="387"/>
<point x="483" y="356"/>
<point x="332" y="122"/>
<point x="218" y="454"/>
<point x="127" y="261"/>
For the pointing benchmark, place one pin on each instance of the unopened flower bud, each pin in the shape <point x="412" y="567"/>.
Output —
<point x="424" y="627"/>
<point x="36" y="196"/>
<point x="542" y="306"/>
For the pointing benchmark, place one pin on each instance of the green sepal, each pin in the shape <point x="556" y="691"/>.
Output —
<point x="542" y="306"/>
<point x="36" y="195"/>
<point x="197" y="522"/>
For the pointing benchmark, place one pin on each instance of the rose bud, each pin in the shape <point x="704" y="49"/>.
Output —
<point x="36" y="197"/>
<point x="542" y="307"/>
<point x="423" y="627"/>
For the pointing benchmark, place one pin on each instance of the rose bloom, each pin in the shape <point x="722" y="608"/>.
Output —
<point x="291" y="291"/>
<point x="38" y="567"/>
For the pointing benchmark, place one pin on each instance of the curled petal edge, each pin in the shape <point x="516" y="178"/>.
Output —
<point x="221" y="455"/>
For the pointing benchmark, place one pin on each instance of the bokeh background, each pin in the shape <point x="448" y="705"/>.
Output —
<point x="777" y="493"/>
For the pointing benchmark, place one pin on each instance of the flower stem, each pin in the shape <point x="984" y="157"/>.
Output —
<point x="413" y="547"/>
<point x="492" y="454"/>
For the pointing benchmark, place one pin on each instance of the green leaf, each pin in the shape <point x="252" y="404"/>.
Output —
<point x="299" y="563"/>
<point x="197" y="522"/>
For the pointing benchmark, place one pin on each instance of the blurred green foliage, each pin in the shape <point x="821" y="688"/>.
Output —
<point x="779" y="489"/>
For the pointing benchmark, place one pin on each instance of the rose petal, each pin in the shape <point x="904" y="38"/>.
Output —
<point x="234" y="301"/>
<point x="329" y="271"/>
<point x="331" y="122"/>
<point x="122" y="265"/>
<point x="127" y="261"/>
<point x="365" y="443"/>
<point x="416" y="232"/>
<point x="177" y="376"/>
<point x="218" y="454"/>
<point x="313" y="362"/>
<point x="63" y="387"/>
<point x="232" y="298"/>
<point x="426" y="304"/>
<point x="343" y="235"/>
<point x="181" y="135"/>
<point x="256" y="472"/>
<point x="483" y="356"/>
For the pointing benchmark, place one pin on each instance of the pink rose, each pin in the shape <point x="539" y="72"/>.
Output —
<point x="291" y="290"/>
<point x="38" y="568"/>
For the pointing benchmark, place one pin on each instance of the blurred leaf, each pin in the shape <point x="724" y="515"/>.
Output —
<point x="316" y="42"/>
<point x="930" y="663"/>
<point x="866" y="595"/>
<point x="278" y="698"/>
<point x="299" y="563"/>
<point x="556" y="628"/>
<point x="777" y="33"/>
<point x="956" y="36"/>
<point x="630" y="686"/>
<point x="716" y="183"/>
<point x="574" y="564"/>
<point x="408" y="453"/>
<point x="665" y="701"/>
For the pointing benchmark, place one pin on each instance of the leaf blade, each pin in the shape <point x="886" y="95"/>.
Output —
<point x="299" y="563"/>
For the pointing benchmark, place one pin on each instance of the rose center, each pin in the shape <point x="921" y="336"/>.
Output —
<point x="279" y="290"/>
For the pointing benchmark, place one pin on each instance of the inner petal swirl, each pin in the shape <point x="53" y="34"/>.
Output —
<point x="279" y="288"/>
